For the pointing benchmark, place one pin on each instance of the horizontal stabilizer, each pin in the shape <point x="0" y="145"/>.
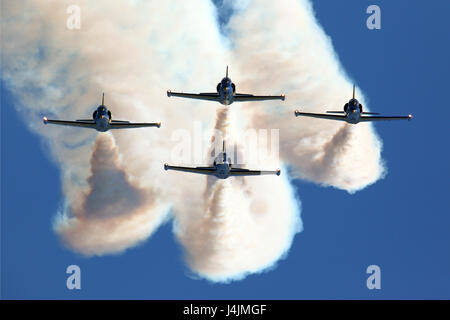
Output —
<point x="370" y="112"/>
<point x="341" y="112"/>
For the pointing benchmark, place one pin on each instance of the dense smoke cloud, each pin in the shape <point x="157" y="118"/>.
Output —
<point x="239" y="225"/>
<point x="125" y="50"/>
<point x="115" y="212"/>
<point x="280" y="46"/>
<point x="116" y="191"/>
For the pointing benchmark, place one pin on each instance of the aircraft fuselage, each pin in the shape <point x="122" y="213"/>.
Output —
<point x="222" y="166"/>
<point x="225" y="94"/>
<point x="102" y="118"/>
<point x="353" y="111"/>
<point x="223" y="170"/>
<point x="226" y="90"/>
<point x="101" y="121"/>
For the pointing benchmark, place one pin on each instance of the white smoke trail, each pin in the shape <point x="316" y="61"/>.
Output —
<point x="116" y="191"/>
<point x="239" y="225"/>
<point x="134" y="51"/>
<point x="243" y="227"/>
<point x="280" y="46"/>
<point x="127" y="50"/>
<point x="115" y="213"/>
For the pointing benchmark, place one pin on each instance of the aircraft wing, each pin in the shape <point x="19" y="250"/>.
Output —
<point x="246" y="172"/>
<point x="212" y="96"/>
<point x="321" y="115"/>
<point x="250" y="97"/>
<point x="382" y="118"/>
<point x="200" y="170"/>
<point x="118" y="124"/>
<point x="78" y="123"/>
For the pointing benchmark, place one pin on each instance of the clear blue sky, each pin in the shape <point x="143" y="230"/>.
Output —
<point x="402" y="223"/>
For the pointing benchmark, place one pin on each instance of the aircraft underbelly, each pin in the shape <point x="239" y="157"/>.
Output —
<point x="222" y="171"/>
<point x="226" y="97"/>
<point x="102" y="124"/>
<point x="353" y="117"/>
<point x="227" y="100"/>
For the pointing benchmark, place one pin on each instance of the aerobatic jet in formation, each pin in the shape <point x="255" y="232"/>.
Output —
<point x="353" y="113"/>
<point x="102" y="121"/>
<point x="222" y="168"/>
<point x="226" y="94"/>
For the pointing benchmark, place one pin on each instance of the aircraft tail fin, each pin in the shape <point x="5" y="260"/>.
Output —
<point x="226" y="73"/>
<point x="103" y="99"/>
<point x="353" y="91"/>
<point x="224" y="151"/>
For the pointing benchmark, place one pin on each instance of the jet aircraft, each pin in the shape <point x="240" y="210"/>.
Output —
<point x="102" y="121"/>
<point x="226" y="94"/>
<point x="222" y="168"/>
<point x="353" y="113"/>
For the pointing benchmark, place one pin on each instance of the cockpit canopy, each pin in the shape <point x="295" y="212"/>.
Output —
<point x="226" y="82"/>
<point x="102" y="109"/>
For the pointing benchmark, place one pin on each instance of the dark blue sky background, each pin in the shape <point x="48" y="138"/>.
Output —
<point x="402" y="223"/>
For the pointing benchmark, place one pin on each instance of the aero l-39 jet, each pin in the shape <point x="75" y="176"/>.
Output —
<point x="222" y="168"/>
<point x="226" y="94"/>
<point x="102" y="121"/>
<point x="353" y="113"/>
